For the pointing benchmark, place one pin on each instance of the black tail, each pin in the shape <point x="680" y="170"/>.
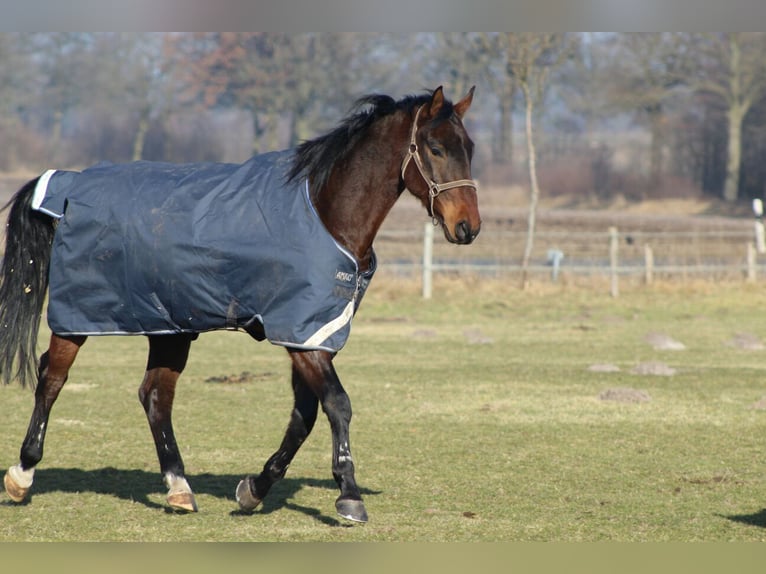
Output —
<point x="23" y="283"/>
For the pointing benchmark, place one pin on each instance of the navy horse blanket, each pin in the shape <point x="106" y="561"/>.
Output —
<point x="160" y="248"/>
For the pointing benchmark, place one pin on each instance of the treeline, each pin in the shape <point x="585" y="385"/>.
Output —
<point x="642" y="115"/>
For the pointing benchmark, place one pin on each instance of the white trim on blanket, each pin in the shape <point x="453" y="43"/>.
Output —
<point x="346" y="252"/>
<point x="39" y="195"/>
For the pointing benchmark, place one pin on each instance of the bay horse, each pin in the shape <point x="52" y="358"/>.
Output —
<point x="353" y="175"/>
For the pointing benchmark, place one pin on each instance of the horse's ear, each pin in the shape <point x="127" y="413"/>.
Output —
<point x="437" y="101"/>
<point x="462" y="106"/>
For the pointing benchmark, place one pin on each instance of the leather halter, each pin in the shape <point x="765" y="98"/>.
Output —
<point x="434" y="188"/>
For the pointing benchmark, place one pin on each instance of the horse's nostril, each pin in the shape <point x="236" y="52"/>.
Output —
<point x="463" y="231"/>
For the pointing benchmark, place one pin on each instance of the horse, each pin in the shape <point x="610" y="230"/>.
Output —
<point x="352" y="177"/>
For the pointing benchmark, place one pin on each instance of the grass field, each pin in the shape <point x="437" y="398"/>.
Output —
<point x="477" y="417"/>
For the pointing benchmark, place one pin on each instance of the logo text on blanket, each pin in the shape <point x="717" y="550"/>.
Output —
<point x="344" y="276"/>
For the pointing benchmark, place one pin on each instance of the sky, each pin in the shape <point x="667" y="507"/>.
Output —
<point x="381" y="15"/>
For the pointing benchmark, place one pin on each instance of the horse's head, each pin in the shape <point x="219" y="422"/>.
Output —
<point x="440" y="152"/>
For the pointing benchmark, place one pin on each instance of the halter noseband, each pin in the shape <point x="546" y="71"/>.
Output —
<point x="434" y="188"/>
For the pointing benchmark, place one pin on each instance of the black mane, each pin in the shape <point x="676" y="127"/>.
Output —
<point x="315" y="158"/>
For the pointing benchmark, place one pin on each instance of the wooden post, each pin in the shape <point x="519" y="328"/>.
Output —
<point x="751" y="262"/>
<point x="428" y="259"/>
<point x="648" y="264"/>
<point x="613" y="242"/>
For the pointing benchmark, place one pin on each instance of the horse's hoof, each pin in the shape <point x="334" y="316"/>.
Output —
<point x="16" y="492"/>
<point x="182" y="501"/>
<point x="180" y="495"/>
<point x="351" y="509"/>
<point x="247" y="501"/>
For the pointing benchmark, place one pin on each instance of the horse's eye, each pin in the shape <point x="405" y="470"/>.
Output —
<point x="436" y="151"/>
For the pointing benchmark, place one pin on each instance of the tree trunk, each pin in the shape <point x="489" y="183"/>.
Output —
<point x="655" y="160"/>
<point x="55" y="145"/>
<point x="299" y="128"/>
<point x="504" y="148"/>
<point x="534" y="190"/>
<point x="735" y="116"/>
<point x="258" y="131"/>
<point x="140" y="138"/>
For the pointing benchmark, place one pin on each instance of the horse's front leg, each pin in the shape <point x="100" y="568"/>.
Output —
<point x="252" y="489"/>
<point x="167" y="359"/>
<point x="317" y="367"/>
<point x="51" y="376"/>
<point x="313" y="373"/>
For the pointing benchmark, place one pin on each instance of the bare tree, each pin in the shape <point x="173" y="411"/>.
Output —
<point x="454" y="60"/>
<point x="135" y="78"/>
<point x="530" y="58"/>
<point x="644" y="69"/>
<point x="65" y="64"/>
<point x="493" y="54"/>
<point x="321" y="75"/>
<point x="16" y="76"/>
<point x="731" y="67"/>
<point x="298" y="77"/>
<point x="231" y="69"/>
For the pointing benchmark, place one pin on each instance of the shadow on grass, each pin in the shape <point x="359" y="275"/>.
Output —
<point x="755" y="519"/>
<point x="137" y="485"/>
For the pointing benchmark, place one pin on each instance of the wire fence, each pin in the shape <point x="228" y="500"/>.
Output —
<point x="643" y="255"/>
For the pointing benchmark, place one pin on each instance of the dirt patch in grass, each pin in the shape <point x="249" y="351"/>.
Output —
<point x="424" y="334"/>
<point x="653" y="368"/>
<point x="746" y="342"/>
<point x="624" y="395"/>
<point x="243" y="377"/>
<point x="663" y="342"/>
<point x="604" y="368"/>
<point x="476" y="337"/>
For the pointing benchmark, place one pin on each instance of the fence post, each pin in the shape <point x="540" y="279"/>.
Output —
<point x="614" y="289"/>
<point x="760" y="235"/>
<point x="648" y="264"/>
<point x="750" y="262"/>
<point x="428" y="259"/>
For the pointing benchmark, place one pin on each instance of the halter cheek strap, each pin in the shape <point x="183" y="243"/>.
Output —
<point x="434" y="188"/>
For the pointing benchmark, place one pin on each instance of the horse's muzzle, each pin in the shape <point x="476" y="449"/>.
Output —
<point x="464" y="233"/>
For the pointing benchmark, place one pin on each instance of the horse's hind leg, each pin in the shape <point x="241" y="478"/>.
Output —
<point x="167" y="359"/>
<point x="51" y="376"/>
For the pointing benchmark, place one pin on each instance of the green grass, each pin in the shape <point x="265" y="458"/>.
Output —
<point x="475" y="418"/>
